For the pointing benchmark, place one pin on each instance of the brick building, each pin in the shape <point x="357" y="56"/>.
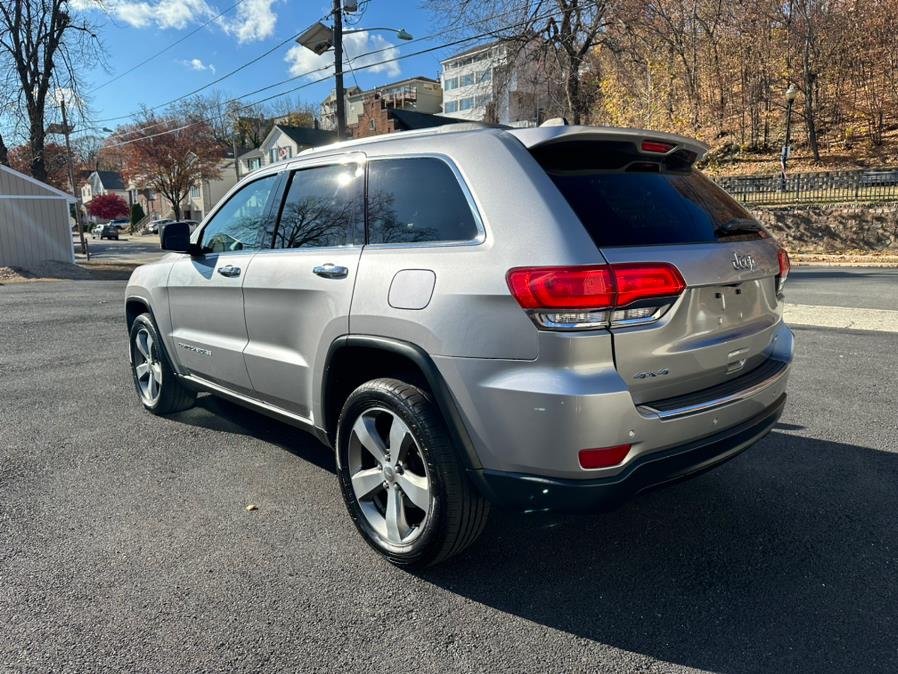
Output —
<point x="377" y="117"/>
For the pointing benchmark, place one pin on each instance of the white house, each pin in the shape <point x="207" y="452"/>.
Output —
<point x="491" y="82"/>
<point x="103" y="182"/>
<point x="203" y="197"/>
<point x="284" y="142"/>
<point x="34" y="221"/>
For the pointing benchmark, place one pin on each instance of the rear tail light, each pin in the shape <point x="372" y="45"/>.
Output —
<point x="604" y="457"/>
<point x="785" y="267"/>
<point x="572" y="298"/>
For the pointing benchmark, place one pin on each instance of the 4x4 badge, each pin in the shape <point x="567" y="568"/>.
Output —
<point x="743" y="262"/>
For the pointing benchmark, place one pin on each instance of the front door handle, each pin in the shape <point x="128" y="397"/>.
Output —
<point x="229" y="270"/>
<point x="331" y="271"/>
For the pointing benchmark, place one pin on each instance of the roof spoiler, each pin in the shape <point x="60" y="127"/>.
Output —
<point x="651" y="142"/>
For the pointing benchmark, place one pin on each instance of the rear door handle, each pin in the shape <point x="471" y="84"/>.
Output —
<point x="331" y="271"/>
<point x="229" y="270"/>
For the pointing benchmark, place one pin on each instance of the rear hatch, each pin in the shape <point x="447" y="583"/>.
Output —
<point x="641" y="201"/>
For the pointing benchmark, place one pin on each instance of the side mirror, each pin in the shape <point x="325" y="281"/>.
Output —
<point x="176" y="238"/>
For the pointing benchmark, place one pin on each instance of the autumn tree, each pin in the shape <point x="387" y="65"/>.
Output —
<point x="169" y="155"/>
<point x="108" y="207"/>
<point x="55" y="163"/>
<point x="44" y="47"/>
<point x="718" y="69"/>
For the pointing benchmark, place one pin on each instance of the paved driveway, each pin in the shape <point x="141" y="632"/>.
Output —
<point x="125" y="543"/>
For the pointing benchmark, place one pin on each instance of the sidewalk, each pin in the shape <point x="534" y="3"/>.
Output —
<point x="844" y="259"/>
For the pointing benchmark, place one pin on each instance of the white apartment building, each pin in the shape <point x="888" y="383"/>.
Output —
<point x="482" y="82"/>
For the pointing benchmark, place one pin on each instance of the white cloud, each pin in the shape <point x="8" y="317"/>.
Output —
<point x="197" y="64"/>
<point x="255" y="20"/>
<point x="303" y="60"/>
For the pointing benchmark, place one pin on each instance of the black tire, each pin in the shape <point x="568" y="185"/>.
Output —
<point x="172" y="395"/>
<point x="457" y="511"/>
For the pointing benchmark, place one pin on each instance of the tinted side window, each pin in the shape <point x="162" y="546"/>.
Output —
<point x="416" y="200"/>
<point x="323" y="208"/>
<point x="241" y="224"/>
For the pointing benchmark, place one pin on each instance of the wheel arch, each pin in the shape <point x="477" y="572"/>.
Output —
<point x="134" y="307"/>
<point x="355" y="359"/>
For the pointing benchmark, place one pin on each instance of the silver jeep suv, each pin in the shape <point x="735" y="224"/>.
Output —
<point x="556" y="317"/>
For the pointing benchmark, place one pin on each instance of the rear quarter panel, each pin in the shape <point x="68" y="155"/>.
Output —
<point x="471" y="312"/>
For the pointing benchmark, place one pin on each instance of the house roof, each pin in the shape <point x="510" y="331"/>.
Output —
<point x="408" y="120"/>
<point x="111" y="180"/>
<point x="252" y="154"/>
<point x="307" y="136"/>
<point x="48" y="191"/>
<point x="383" y="88"/>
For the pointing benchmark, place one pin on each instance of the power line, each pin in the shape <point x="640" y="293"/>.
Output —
<point x="401" y="57"/>
<point x="165" y="49"/>
<point x="306" y="74"/>
<point x="209" y="84"/>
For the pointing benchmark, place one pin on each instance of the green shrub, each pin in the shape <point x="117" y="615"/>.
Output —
<point x="137" y="214"/>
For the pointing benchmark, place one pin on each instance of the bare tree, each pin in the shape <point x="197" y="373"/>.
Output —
<point x="557" y="32"/>
<point x="43" y="47"/>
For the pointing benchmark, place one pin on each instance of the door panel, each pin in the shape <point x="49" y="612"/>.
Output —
<point x="209" y="330"/>
<point x="297" y="297"/>
<point x="206" y="291"/>
<point x="292" y="316"/>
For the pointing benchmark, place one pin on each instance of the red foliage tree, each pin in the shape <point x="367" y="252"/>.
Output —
<point x="170" y="155"/>
<point x="55" y="158"/>
<point x="108" y="207"/>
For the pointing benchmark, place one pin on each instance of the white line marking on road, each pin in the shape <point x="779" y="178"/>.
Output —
<point x="847" y="318"/>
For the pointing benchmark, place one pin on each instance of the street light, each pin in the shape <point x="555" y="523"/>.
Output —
<point x="320" y="38"/>
<point x="791" y="95"/>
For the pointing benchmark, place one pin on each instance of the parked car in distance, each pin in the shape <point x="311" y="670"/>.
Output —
<point x="120" y="224"/>
<point x="105" y="231"/>
<point x="153" y="227"/>
<point x="558" y="317"/>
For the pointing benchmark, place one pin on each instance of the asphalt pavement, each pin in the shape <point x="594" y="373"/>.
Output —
<point x="129" y="248"/>
<point x="125" y="543"/>
<point x="851" y="287"/>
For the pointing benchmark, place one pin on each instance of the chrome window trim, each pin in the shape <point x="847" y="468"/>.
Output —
<point x="480" y="237"/>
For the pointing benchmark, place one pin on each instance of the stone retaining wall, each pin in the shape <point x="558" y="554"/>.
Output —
<point x="837" y="228"/>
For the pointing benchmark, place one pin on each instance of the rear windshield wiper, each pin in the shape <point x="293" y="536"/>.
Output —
<point x="738" y="227"/>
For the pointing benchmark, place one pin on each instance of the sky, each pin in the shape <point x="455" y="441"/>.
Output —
<point x="134" y="30"/>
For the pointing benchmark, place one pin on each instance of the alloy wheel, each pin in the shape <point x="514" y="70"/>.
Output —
<point x="147" y="366"/>
<point x="389" y="476"/>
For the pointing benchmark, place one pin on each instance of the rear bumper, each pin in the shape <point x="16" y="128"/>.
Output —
<point x="532" y="492"/>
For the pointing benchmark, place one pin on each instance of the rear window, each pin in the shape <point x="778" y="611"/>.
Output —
<point x="624" y="198"/>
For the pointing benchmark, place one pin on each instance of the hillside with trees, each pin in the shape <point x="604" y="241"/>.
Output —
<point x="717" y="70"/>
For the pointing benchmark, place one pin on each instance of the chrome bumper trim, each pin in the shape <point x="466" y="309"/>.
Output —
<point x="668" y="413"/>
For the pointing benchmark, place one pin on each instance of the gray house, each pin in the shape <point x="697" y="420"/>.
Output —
<point x="34" y="221"/>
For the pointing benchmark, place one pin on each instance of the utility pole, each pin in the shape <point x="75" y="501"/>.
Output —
<point x="338" y="69"/>
<point x="68" y="148"/>
<point x="235" y="126"/>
